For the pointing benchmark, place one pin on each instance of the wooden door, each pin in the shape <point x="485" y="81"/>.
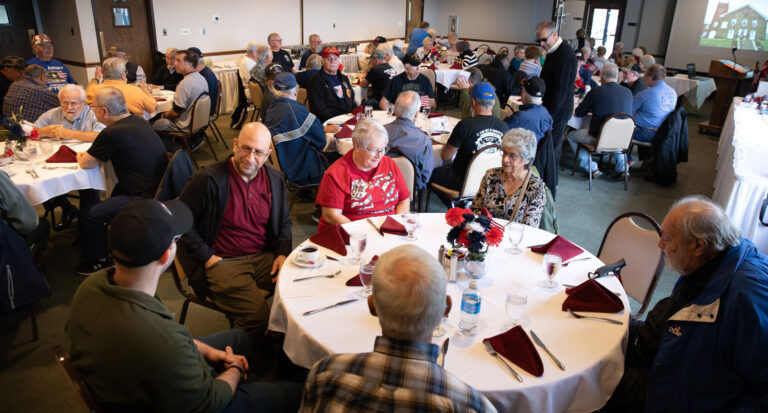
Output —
<point x="126" y="23"/>
<point x="414" y="14"/>
<point x="17" y="19"/>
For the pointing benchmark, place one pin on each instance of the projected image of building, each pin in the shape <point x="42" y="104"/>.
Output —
<point x="745" y="28"/>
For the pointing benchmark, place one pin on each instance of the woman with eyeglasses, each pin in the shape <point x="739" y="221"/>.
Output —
<point x="364" y="182"/>
<point x="513" y="192"/>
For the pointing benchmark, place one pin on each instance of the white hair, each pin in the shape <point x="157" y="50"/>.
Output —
<point x="637" y="52"/>
<point x="532" y="100"/>
<point x="251" y="48"/>
<point x="111" y="99"/>
<point x="701" y="218"/>
<point x="171" y="50"/>
<point x="647" y="61"/>
<point x="609" y="72"/>
<point x="408" y="292"/>
<point x="368" y="130"/>
<point x="427" y="40"/>
<point x="284" y="93"/>
<point x="521" y="140"/>
<point x="407" y="105"/>
<point x="71" y="87"/>
<point x="262" y="51"/>
<point x="113" y="68"/>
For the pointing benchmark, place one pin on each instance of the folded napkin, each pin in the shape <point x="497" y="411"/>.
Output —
<point x="435" y="115"/>
<point x="334" y="237"/>
<point x="560" y="246"/>
<point x="345" y="132"/>
<point x="432" y="66"/>
<point x="355" y="281"/>
<point x="161" y="99"/>
<point x="390" y="226"/>
<point x="593" y="297"/>
<point x="516" y="346"/>
<point x="359" y="109"/>
<point x="64" y="154"/>
<point x="456" y="65"/>
<point x="351" y="121"/>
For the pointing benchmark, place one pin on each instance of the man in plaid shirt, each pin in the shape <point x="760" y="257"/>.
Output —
<point x="29" y="95"/>
<point x="401" y="374"/>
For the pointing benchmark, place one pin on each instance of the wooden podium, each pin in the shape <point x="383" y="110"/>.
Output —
<point x="727" y="75"/>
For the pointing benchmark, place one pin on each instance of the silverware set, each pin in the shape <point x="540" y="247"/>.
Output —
<point x="491" y="351"/>
<point x="74" y="168"/>
<point x="31" y="172"/>
<point x="318" y="276"/>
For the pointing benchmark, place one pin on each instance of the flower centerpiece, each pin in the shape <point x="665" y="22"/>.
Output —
<point x="16" y="131"/>
<point x="475" y="233"/>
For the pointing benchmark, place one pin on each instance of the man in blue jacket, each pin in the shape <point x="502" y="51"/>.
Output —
<point x="703" y="349"/>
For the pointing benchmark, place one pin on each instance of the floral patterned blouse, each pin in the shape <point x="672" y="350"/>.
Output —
<point x="493" y="197"/>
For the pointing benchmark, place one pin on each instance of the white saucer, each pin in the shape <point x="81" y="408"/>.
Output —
<point x="320" y="261"/>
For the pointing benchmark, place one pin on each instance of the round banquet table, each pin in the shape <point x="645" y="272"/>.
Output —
<point x="592" y="352"/>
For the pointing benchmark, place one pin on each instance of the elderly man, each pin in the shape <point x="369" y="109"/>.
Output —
<point x="30" y="94"/>
<point x="417" y="37"/>
<point x="12" y="69"/>
<point x="74" y="119"/>
<point x="632" y="79"/>
<point x="468" y="137"/>
<point x="531" y="115"/>
<point x="315" y="48"/>
<point x="210" y="78"/>
<point x="160" y="366"/>
<point x="517" y="59"/>
<point x="139" y="160"/>
<point x="703" y="348"/>
<point x="133" y="72"/>
<point x="56" y="74"/>
<point x="364" y="183"/>
<point x="314" y="65"/>
<point x="20" y="215"/>
<point x="139" y="102"/>
<point x="248" y="62"/>
<point x="409" y="298"/>
<point x="278" y="54"/>
<point x="377" y="77"/>
<point x="330" y="93"/>
<point x="603" y="101"/>
<point x="393" y="60"/>
<point x="406" y="139"/>
<point x="558" y="73"/>
<point x="411" y="79"/>
<point x="465" y="86"/>
<point x="187" y="92"/>
<point x="166" y="76"/>
<point x="242" y="231"/>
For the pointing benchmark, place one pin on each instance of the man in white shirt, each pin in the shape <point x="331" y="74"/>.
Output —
<point x="74" y="119"/>
<point x="246" y="64"/>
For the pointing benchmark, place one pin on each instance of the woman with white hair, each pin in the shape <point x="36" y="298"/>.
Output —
<point x="513" y="192"/>
<point x="263" y="58"/>
<point x="428" y="53"/>
<point x="364" y="183"/>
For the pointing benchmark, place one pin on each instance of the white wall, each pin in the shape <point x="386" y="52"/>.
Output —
<point x="574" y="19"/>
<point x="655" y="24"/>
<point x="341" y="20"/>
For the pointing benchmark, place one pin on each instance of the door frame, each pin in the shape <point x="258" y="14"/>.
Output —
<point x="150" y="27"/>
<point x="421" y="18"/>
<point x="591" y="5"/>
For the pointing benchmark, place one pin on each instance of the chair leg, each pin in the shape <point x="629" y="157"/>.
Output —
<point x="213" y="132"/>
<point x="429" y="191"/>
<point x="626" y="172"/>
<point x="208" y="141"/>
<point x="33" y="320"/>
<point x="188" y="150"/>
<point x="184" y="308"/>
<point x="589" y="170"/>
<point x="215" y="128"/>
<point x="575" y="160"/>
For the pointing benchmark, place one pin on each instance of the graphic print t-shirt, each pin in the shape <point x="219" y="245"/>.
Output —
<point x="56" y="74"/>
<point x="471" y="135"/>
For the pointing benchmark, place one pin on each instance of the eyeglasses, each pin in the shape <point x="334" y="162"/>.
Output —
<point x="511" y="155"/>
<point x="544" y="39"/>
<point x="375" y="152"/>
<point x="246" y="151"/>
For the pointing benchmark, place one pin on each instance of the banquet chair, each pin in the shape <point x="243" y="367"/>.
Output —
<point x="256" y="95"/>
<point x="74" y="377"/>
<point x="179" y="276"/>
<point x="638" y="246"/>
<point x="614" y="138"/>
<point x="408" y="169"/>
<point x="301" y="97"/>
<point x="506" y="112"/>
<point x="430" y="74"/>
<point x="212" y="120"/>
<point x="201" y="112"/>
<point x="482" y="160"/>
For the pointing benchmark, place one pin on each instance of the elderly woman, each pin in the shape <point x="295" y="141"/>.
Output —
<point x="513" y="192"/>
<point x="450" y="54"/>
<point x="428" y="53"/>
<point x="363" y="183"/>
<point x="263" y="58"/>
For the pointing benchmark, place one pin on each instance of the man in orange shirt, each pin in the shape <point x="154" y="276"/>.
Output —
<point x="138" y="101"/>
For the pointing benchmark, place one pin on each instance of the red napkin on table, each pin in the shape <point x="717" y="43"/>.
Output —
<point x="560" y="246"/>
<point x="593" y="297"/>
<point x="355" y="281"/>
<point x="432" y="66"/>
<point x="161" y="99"/>
<point x="345" y="132"/>
<point x="64" y="154"/>
<point x="334" y="237"/>
<point x="351" y="121"/>
<point x="435" y="115"/>
<point x="357" y="110"/>
<point x="456" y="65"/>
<point x="516" y="346"/>
<point x="391" y="226"/>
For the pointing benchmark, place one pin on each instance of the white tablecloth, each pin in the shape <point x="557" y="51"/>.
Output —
<point x="741" y="183"/>
<point x="54" y="182"/>
<point x="694" y="91"/>
<point x="592" y="352"/>
<point x="446" y="76"/>
<point x="350" y="62"/>
<point x="228" y="78"/>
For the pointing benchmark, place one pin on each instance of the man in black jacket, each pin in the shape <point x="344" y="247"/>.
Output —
<point x="330" y="93"/>
<point x="559" y="74"/>
<point x="242" y="231"/>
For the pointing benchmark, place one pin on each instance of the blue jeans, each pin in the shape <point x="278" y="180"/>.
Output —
<point x="582" y="136"/>
<point x="641" y="134"/>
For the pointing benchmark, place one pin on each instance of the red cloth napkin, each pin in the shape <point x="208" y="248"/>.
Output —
<point x="435" y="115"/>
<point x="432" y="66"/>
<point x="391" y="226"/>
<point x="351" y="121"/>
<point x="560" y="246"/>
<point x="593" y="297"/>
<point x="345" y="132"/>
<point x="355" y="281"/>
<point x="516" y="346"/>
<point x="456" y="65"/>
<point x="357" y="110"/>
<point x="64" y="154"/>
<point x="161" y="99"/>
<point x="333" y="237"/>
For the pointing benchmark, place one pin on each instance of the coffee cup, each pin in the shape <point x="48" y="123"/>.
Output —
<point x="308" y="255"/>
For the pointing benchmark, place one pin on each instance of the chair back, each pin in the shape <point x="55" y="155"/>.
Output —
<point x="430" y="74"/>
<point x="177" y="271"/>
<point x="505" y="113"/>
<point x="301" y="97"/>
<point x="217" y="109"/>
<point x="615" y="133"/>
<point x="409" y="173"/>
<point x="273" y="161"/>
<point x="256" y="94"/>
<point x="175" y="177"/>
<point x="639" y="247"/>
<point x="482" y="160"/>
<point x="74" y="377"/>
<point x="484" y="59"/>
<point x="201" y="113"/>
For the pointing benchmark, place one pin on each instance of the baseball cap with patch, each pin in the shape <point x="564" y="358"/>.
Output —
<point x="535" y="86"/>
<point x="14" y="62"/>
<point x="41" y="38"/>
<point x="196" y="51"/>
<point x="483" y="90"/>
<point x="272" y="70"/>
<point x="329" y="51"/>
<point x="285" y="81"/>
<point x="115" y="49"/>
<point x="633" y="68"/>
<point x="378" y="54"/>
<point x="411" y="59"/>
<point x="380" y="39"/>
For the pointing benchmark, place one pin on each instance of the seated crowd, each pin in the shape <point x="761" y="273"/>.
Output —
<point x="230" y="229"/>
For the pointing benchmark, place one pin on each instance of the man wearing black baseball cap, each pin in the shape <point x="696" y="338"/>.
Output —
<point x="632" y="79"/>
<point x="411" y="79"/>
<point x="209" y="76"/>
<point x="12" y="70"/>
<point x="531" y="115"/>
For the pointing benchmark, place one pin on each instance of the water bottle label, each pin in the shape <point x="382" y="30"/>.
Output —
<point x="471" y="306"/>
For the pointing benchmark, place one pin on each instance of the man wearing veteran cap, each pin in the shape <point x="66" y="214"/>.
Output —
<point x="411" y="79"/>
<point x="330" y="93"/>
<point x="160" y="366"/>
<point x="632" y="79"/>
<point x="378" y="76"/>
<point x="56" y="74"/>
<point x="12" y="69"/>
<point x="531" y="115"/>
<point x="133" y="71"/>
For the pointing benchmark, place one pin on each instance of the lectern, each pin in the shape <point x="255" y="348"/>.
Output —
<point x="727" y="75"/>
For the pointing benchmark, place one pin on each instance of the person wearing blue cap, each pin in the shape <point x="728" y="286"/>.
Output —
<point x="210" y="78"/>
<point x="468" y="137"/>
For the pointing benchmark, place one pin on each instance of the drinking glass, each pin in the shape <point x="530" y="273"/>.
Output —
<point x="390" y="111"/>
<point x="427" y="110"/>
<point x="551" y="264"/>
<point x="515" y="234"/>
<point x="441" y="328"/>
<point x="47" y="148"/>
<point x="515" y="306"/>
<point x="366" y="276"/>
<point x="411" y="222"/>
<point x="357" y="243"/>
<point x="369" y="112"/>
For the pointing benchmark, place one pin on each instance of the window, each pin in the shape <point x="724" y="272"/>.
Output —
<point x="121" y="16"/>
<point x="754" y="23"/>
<point x="733" y="22"/>
<point x="724" y="24"/>
<point x="5" y="18"/>
<point x="744" y="23"/>
<point x="704" y="33"/>
<point x="730" y="34"/>
<point x="752" y="35"/>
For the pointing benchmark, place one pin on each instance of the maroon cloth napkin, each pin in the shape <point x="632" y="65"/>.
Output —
<point x="435" y="115"/>
<point x="456" y="65"/>
<point x="355" y="281"/>
<point x="357" y="110"/>
<point x="64" y="154"/>
<point x="560" y="246"/>
<point x="516" y="346"/>
<point x="345" y="132"/>
<point x="593" y="297"/>
<point x="391" y="226"/>
<point x="351" y="121"/>
<point x="161" y="99"/>
<point x="333" y="237"/>
<point x="432" y="66"/>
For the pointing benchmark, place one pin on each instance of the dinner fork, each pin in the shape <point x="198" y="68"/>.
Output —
<point x="319" y="276"/>
<point x="607" y="320"/>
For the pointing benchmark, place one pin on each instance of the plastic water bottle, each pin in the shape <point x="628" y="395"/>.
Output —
<point x="470" y="309"/>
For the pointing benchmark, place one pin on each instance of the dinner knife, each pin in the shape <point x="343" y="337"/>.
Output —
<point x="328" y="307"/>
<point x="540" y="343"/>
<point x="370" y="221"/>
<point x="491" y="351"/>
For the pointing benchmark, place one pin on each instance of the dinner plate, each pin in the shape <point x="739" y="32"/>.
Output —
<point x="320" y="261"/>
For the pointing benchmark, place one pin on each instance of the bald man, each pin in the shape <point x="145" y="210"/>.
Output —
<point x="242" y="231"/>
